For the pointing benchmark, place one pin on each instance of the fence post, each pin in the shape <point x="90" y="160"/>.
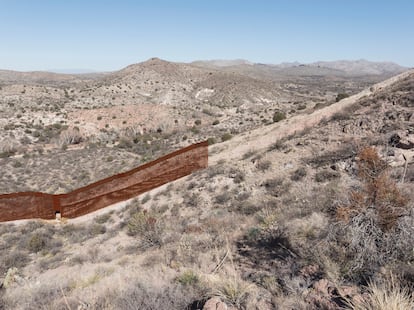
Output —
<point x="57" y="206"/>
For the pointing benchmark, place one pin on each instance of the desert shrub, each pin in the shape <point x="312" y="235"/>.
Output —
<point x="223" y="198"/>
<point x="15" y="258"/>
<point x="326" y="175"/>
<point x="51" y="262"/>
<point x="246" y="207"/>
<point x="211" y="141"/>
<point x="216" y="170"/>
<point x="192" y="200"/>
<point x="298" y="174"/>
<point x="17" y="164"/>
<point x="147" y="227"/>
<point x="226" y="137"/>
<point x="341" y="96"/>
<point x="276" y="186"/>
<point x="195" y="130"/>
<point x="49" y="296"/>
<point x="43" y="240"/>
<point x="37" y="243"/>
<point x="96" y="229"/>
<point x="216" y="122"/>
<point x="366" y="247"/>
<point x="378" y="191"/>
<point x="341" y="116"/>
<point x="75" y="233"/>
<point x="78" y="260"/>
<point x="187" y="278"/>
<point x="125" y="143"/>
<point x="264" y="165"/>
<point x="139" y="296"/>
<point x="238" y="177"/>
<point x="70" y="136"/>
<point x="197" y="122"/>
<point x="146" y="198"/>
<point x="375" y="227"/>
<point x="277" y="146"/>
<point x="243" y="196"/>
<point x="302" y="106"/>
<point x="249" y="154"/>
<point x="8" y="147"/>
<point x="278" y="116"/>
<point x="103" y="218"/>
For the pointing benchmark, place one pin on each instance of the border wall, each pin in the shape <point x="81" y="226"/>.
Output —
<point x="108" y="191"/>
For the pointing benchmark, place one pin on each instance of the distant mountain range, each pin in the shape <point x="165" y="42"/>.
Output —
<point x="340" y="67"/>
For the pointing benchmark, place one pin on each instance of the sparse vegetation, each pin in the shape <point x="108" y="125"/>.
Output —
<point x="264" y="165"/>
<point x="278" y="116"/>
<point x="147" y="227"/>
<point x="341" y="96"/>
<point x="285" y="217"/>
<point x="226" y="137"/>
<point x="298" y="174"/>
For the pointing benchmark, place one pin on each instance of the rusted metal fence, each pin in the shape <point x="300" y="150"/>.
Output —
<point x="98" y="195"/>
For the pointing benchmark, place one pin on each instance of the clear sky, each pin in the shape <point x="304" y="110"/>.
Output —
<point x="108" y="35"/>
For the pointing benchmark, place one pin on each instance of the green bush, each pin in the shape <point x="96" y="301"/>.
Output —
<point x="226" y="137"/>
<point x="341" y="96"/>
<point x="211" y="141"/>
<point x="278" y="116"/>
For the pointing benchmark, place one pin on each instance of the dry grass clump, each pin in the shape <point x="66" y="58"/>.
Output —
<point x="43" y="297"/>
<point x="70" y="136"/>
<point x="233" y="291"/>
<point x="188" y="278"/>
<point x="8" y="147"/>
<point x="143" y="296"/>
<point x="388" y="295"/>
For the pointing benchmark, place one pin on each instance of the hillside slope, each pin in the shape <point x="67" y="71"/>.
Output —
<point x="282" y="219"/>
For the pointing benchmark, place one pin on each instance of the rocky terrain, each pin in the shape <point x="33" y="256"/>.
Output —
<point x="144" y="111"/>
<point x="307" y="202"/>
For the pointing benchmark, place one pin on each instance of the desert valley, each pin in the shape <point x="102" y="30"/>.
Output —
<point x="307" y="201"/>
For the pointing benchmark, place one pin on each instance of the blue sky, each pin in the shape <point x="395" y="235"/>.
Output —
<point x="108" y="35"/>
